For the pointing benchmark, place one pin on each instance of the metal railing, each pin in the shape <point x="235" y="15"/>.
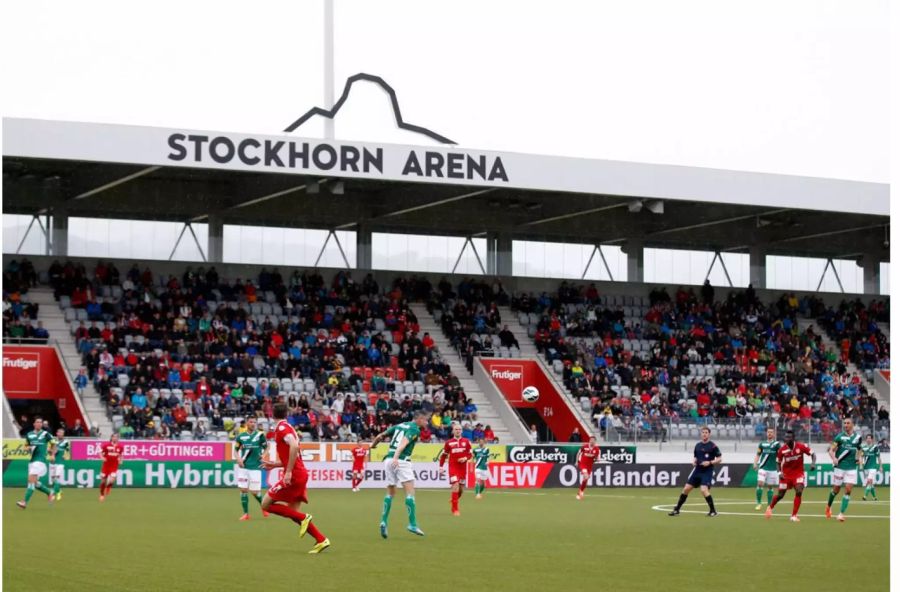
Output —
<point x="740" y="429"/>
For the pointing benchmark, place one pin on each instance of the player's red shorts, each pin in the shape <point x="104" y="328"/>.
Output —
<point x="358" y="468"/>
<point x="109" y="469"/>
<point x="791" y="481"/>
<point x="458" y="473"/>
<point x="585" y="468"/>
<point x="293" y="493"/>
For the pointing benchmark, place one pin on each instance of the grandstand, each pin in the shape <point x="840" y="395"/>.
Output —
<point x="342" y="335"/>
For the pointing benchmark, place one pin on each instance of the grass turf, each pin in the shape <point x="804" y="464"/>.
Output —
<point x="174" y="540"/>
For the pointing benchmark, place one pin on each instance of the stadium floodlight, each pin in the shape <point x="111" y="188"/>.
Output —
<point x="635" y="206"/>
<point x="656" y="207"/>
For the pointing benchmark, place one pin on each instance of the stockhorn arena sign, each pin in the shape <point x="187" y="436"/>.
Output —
<point x="444" y="163"/>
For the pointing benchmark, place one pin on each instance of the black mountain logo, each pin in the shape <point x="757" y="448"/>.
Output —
<point x="330" y="113"/>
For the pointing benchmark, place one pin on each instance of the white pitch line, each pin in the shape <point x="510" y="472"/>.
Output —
<point x="669" y="507"/>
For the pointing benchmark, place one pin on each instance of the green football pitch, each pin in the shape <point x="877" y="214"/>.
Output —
<point x="191" y="540"/>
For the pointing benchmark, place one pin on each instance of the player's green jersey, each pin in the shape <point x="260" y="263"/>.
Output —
<point x="482" y="456"/>
<point x="38" y="441"/>
<point x="871" y="456"/>
<point x="251" y="447"/>
<point x="767" y="455"/>
<point x="408" y="429"/>
<point x="62" y="448"/>
<point x="847" y="447"/>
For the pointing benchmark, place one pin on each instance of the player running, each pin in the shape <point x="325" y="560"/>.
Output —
<point x="284" y="498"/>
<point x="793" y="476"/>
<point x="360" y="454"/>
<point x="60" y="451"/>
<point x="458" y="451"/>
<point x="706" y="456"/>
<point x="870" y="465"/>
<point x="586" y="458"/>
<point x="38" y="439"/>
<point x="481" y="455"/>
<point x="111" y="452"/>
<point x="766" y="467"/>
<point x="251" y="447"/>
<point x="845" y="454"/>
<point x="398" y="469"/>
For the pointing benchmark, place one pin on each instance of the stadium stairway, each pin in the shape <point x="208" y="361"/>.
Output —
<point x="828" y="342"/>
<point x="529" y="351"/>
<point x="9" y="424"/>
<point x="54" y="321"/>
<point x="486" y="412"/>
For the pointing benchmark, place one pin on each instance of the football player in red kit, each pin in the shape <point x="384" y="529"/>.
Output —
<point x="586" y="458"/>
<point x="793" y="476"/>
<point x="360" y="454"/>
<point x="284" y="498"/>
<point x="458" y="450"/>
<point x="111" y="452"/>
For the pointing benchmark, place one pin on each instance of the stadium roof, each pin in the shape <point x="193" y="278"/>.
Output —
<point x="115" y="171"/>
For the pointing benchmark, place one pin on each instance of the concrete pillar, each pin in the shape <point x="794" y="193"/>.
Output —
<point x="59" y="234"/>
<point x="634" y="250"/>
<point x="757" y="267"/>
<point x="871" y="274"/>
<point x="363" y="247"/>
<point x="502" y="256"/>
<point x="214" y="241"/>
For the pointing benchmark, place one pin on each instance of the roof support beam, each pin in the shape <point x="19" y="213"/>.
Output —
<point x="418" y="208"/>
<point x="829" y="233"/>
<point x="574" y="214"/>
<point x="117" y="182"/>
<point x="717" y="222"/>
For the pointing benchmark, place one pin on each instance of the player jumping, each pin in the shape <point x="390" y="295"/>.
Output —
<point x="766" y="467"/>
<point x="360" y="454"/>
<point x="481" y="455"/>
<point x="60" y="451"/>
<point x="398" y="469"/>
<point x="250" y="446"/>
<point x="586" y="458"/>
<point x="37" y="440"/>
<point x="845" y="454"/>
<point x="706" y="456"/>
<point x="790" y="460"/>
<point x="284" y="498"/>
<point x="111" y="452"/>
<point x="870" y="465"/>
<point x="458" y="451"/>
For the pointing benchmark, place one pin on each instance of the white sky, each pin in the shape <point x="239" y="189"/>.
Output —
<point x="797" y="87"/>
